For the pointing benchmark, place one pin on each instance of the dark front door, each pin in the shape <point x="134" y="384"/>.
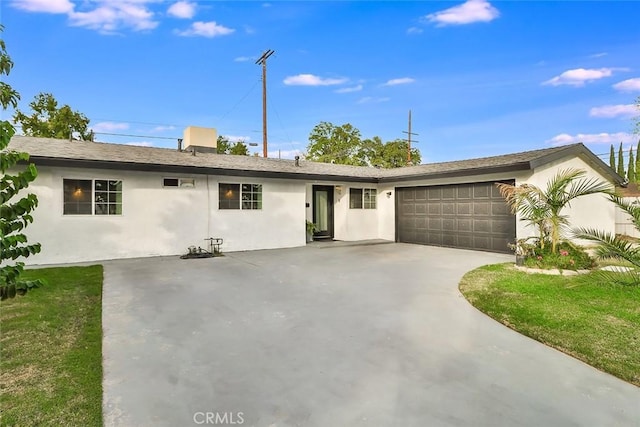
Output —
<point x="323" y="211"/>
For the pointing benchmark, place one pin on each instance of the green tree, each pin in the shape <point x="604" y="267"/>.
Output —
<point x="222" y="146"/>
<point x="612" y="158"/>
<point x="14" y="217"/>
<point x="336" y="144"/>
<point x="48" y="121"/>
<point x="239" y="149"/>
<point x="631" y="173"/>
<point x="620" y="168"/>
<point x="637" y="177"/>
<point x="395" y="154"/>
<point x="543" y="207"/>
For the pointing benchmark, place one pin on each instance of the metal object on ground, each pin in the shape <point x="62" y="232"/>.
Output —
<point x="214" y="249"/>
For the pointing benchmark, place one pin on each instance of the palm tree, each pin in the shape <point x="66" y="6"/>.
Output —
<point x="543" y="207"/>
<point x="611" y="246"/>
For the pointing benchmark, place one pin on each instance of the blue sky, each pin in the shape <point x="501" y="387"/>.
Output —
<point x="481" y="78"/>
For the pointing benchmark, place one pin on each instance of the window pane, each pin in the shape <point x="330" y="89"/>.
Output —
<point x="228" y="196"/>
<point x="355" y="198"/>
<point x="115" y="185"/>
<point x="252" y="196"/>
<point x="77" y="196"/>
<point x="101" y="209"/>
<point x="370" y="198"/>
<point x="170" y="182"/>
<point x="101" y="185"/>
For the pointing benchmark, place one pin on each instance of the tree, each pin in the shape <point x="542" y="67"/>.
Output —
<point x="49" y="121"/>
<point x="612" y="158"/>
<point x="335" y="144"/>
<point x="631" y="173"/>
<point x="239" y="149"/>
<point x="344" y="145"/>
<point x="543" y="207"/>
<point x="14" y="217"/>
<point x="620" y="169"/>
<point x="222" y="146"/>
<point x="637" y="177"/>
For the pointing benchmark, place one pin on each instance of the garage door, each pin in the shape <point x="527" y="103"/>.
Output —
<point x="470" y="216"/>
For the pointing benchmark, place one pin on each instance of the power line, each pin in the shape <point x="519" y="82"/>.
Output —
<point x="135" y="136"/>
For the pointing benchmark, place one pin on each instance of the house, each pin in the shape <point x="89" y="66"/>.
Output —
<point x="105" y="201"/>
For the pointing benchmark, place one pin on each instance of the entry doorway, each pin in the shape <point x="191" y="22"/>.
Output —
<point x="323" y="211"/>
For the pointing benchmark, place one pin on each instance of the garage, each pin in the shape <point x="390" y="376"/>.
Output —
<point x="468" y="216"/>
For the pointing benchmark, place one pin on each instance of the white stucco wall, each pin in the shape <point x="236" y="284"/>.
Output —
<point x="594" y="211"/>
<point x="624" y="225"/>
<point x="161" y="221"/>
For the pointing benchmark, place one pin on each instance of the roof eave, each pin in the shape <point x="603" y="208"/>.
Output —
<point x="515" y="167"/>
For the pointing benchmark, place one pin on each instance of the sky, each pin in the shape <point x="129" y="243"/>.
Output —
<point x="480" y="78"/>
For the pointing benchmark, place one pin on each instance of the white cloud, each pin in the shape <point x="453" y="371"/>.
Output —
<point x="414" y="30"/>
<point x="598" y="55"/>
<point x="140" y="143"/>
<point x="349" y="89"/>
<point x="609" y="111"/>
<point x="400" y="81"/>
<point x="469" y="12"/>
<point x="112" y="15"/>
<point x="593" y="138"/>
<point x="629" y="85"/>
<point x="182" y="9"/>
<point x="109" y="126"/>
<point x="236" y="138"/>
<point x="206" y="29"/>
<point x="579" y="76"/>
<point x="372" y="100"/>
<point x="311" y="80"/>
<point x="162" y="128"/>
<point x="44" y="6"/>
<point x="242" y="59"/>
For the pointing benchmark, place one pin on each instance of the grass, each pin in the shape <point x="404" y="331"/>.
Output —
<point x="51" y="351"/>
<point x="584" y="316"/>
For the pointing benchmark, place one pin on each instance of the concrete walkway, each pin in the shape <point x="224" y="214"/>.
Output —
<point x="374" y="335"/>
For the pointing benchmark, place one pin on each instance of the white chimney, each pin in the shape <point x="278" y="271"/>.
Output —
<point x="202" y="140"/>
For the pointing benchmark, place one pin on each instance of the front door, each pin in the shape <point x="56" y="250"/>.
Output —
<point x="323" y="211"/>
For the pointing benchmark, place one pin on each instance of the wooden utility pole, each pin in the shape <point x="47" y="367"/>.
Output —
<point x="409" y="133"/>
<point x="263" y="61"/>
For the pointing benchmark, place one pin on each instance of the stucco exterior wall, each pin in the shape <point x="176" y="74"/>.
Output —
<point x="161" y="221"/>
<point x="594" y="211"/>
<point x="624" y="225"/>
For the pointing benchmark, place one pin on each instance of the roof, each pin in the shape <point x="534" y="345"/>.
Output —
<point x="57" y="152"/>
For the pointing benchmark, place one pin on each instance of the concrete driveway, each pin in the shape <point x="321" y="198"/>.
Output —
<point x="342" y="336"/>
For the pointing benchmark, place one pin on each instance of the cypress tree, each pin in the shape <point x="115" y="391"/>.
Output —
<point x="637" y="177"/>
<point x="620" y="169"/>
<point x="612" y="158"/>
<point x="631" y="173"/>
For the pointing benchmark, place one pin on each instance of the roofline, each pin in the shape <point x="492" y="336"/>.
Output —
<point x="179" y="169"/>
<point x="580" y="149"/>
<point x="459" y="173"/>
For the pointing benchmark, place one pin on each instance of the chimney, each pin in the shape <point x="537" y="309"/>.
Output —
<point x="179" y="144"/>
<point x="204" y="139"/>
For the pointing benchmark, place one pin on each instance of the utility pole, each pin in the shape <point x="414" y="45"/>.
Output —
<point x="409" y="133"/>
<point x="263" y="61"/>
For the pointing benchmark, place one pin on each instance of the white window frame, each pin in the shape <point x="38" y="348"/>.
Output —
<point x="364" y="203"/>
<point x="93" y="196"/>
<point x="254" y="197"/>
<point x="183" y="182"/>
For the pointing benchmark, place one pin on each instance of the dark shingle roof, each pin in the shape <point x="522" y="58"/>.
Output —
<point x="127" y="157"/>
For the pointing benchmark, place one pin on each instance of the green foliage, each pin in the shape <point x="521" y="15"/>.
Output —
<point x="620" y="169"/>
<point x="543" y="208"/>
<point x="637" y="177"/>
<point x="631" y="172"/>
<point x="615" y="247"/>
<point x="612" y="158"/>
<point x="14" y="217"/>
<point x="568" y="257"/>
<point x="49" y="121"/>
<point x="343" y="144"/>
<point x="238" y="148"/>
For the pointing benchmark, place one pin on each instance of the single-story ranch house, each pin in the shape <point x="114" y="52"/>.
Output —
<point x="105" y="201"/>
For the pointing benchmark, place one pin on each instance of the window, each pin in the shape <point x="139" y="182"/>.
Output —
<point x="362" y="198"/>
<point x="230" y="195"/>
<point x="179" y="182"/>
<point x="92" y="197"/>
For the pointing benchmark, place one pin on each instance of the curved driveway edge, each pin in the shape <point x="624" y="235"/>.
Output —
<point x="357" y="335"/>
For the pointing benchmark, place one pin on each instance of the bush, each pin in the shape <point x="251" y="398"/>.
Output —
<point x="567" y="257"/>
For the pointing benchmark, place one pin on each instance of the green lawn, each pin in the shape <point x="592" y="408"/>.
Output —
<point x="51" y="351"/>
<point x="584" y="316"/>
